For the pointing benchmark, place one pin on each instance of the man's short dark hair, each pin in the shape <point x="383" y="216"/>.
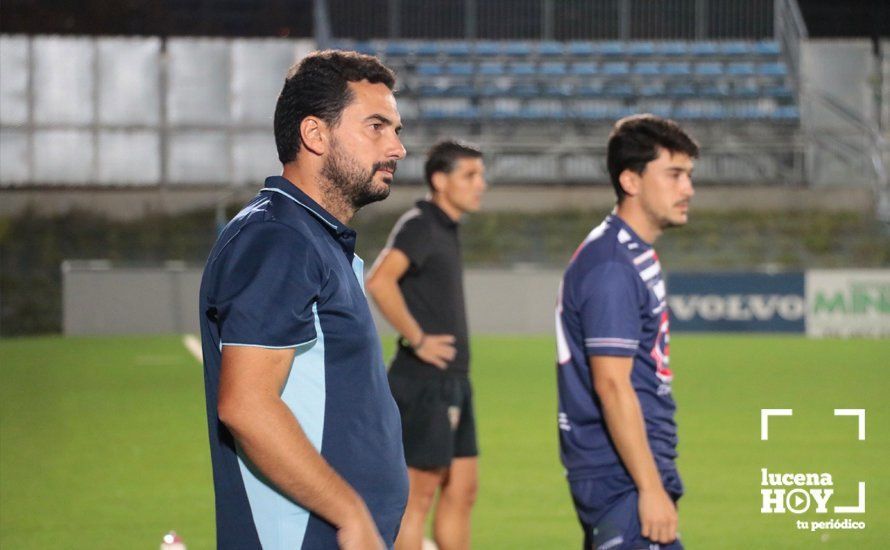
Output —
<point x="443" y="156"/>
<point x="635" y="141"/>
<point x="318" y="85"/>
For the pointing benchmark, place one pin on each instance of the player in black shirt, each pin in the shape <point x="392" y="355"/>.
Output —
<point x="417" y="283"/>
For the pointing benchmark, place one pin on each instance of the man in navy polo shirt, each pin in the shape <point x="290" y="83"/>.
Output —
<point x="305" y="436"/>
<point x="617" y="432"/>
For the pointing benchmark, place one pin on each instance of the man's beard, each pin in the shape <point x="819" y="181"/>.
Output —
<point x="350" y="182"/>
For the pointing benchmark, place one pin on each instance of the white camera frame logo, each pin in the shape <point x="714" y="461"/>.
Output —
<point x="798" y="500"/>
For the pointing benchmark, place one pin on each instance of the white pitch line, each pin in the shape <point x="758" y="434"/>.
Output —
<point x="191" y="343"/>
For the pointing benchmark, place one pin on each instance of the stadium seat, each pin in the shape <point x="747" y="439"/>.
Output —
<point x="589" y="89"/>
<point x="583" y="68"/>
<point x="703" y="49"/>
<point x="558" y="89"/>
<point x="553" y="68"/>
<point x="714" y="89"/>
<point x="550" y="48"/>
<point x="455" y="48"/>
<point x="671" y="49"/>
<point x="735" y="48"/>
<point x="767" y="48"/>
<point x="491" y="68"/>
<point x="676" y="68"/>
<point x="740" y="69"/>
<point x="427" y="49"/>
<point x="682" y="89"/>
<point x="778" y="92"/>
<point x="399" y="49"/>
<point x="459" y="69"/>
<point x="581" y="49"/>
<point x="651" y="90"/>
<point x="786" y="112"/>
<point x="647" y="68"/>
<point x="709" y="68"/>
<point x="640" y="49"/>
<point x="522" y="69"/>
<point x="747" y="89"/>
<point x="616" y="68"/>
<point x="619" y="89"/>
<point x="365" y="48"/>
<point x="772" y="69"/>
<point x="524" y="89"/>
<point x="486" y="49"/>
<point x="429" y="69"/>
<point x="461" y="90"/>
<point x="609" y="49"/>
<point x="517" y="49"/>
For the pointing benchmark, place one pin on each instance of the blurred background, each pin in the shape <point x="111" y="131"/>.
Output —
<point x="131" y="131"/>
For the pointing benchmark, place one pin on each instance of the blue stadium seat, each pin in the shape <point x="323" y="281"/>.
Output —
<point x="399" y="49"/>
<point x="654" y="89"/>
<point x="682" y="89"/>
<point x="647" y="68"/>
<point x="748" y="89"/>
<point x="714" y="89"/>
<point x="430" y="90"/>
<point x="553" y="68"/>
<point x="709" y="68"/>
<point x="740" y="69"/>
<point x="786" y="112"/>
<point x="461" y="90"/>
<point x="670" y="49"/>
<point x="517" y="49"/>
<point x="542" y="113"/>
<point x="579" y="48"/>
<point x="703" y="49"/>
<point x="427" y="49"/>
<point x="558" y="89"/>
<point x="676" y="68"/>
<point x="735" y="48"/>
<point x="609" y="49"/>
<point x="589" y="89"/>
<point x="522" y="69"/>
<point x="491" y="68"/>
<point x="429" y="69"/>
<point x="583" y="68"/>
<point x="772" y="69"/>
<point x="524" y="89"/>
<point x="641" y="49"/>
<point x="617" y="68"/>
<point x="459" y="69"/>
<point x="767" y="47"/>
<point x="489" y="89"/>
<point x="365" y="48"/>
<point x="779" y="92"/>
<point x="550" y="48"/>
<point x="618" y="89"/>
<point x="486" y="49"/>
<point x="455" y="48"/>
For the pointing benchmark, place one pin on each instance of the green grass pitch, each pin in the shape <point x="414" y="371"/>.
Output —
<point x="103" y="441"/>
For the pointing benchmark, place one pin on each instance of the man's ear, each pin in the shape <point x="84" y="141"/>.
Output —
<point x="630" y="182"/>
<point x="439" y="181"/>
<point x="314" y="135"/>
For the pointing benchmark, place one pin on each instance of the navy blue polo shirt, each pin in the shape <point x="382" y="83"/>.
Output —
<point x="613" y="302"/>
<point x="284" y="274"/>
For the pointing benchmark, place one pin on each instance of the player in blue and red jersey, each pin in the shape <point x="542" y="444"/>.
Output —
<point x="617" y="432"/>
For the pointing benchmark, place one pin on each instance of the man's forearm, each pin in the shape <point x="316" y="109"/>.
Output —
<point x="391" y="302"/>
<point x="624" y="419"/>
<point x="272" y="438"/>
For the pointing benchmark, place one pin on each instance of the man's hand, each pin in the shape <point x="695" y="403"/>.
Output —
<point x="658" y="516"/>
<point x="360" y="534"/>
<point x="436" y="349"/>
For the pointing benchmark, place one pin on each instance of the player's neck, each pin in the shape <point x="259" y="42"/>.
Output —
<point x="310" y="181"/>
<point x="444" y="205"/>
<point x="636" y="219"/>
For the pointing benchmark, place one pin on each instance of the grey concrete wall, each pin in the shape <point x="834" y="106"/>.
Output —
<point x="100" y="299"/>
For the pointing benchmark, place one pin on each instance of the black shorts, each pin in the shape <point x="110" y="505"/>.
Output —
<point x="437" y="418"/>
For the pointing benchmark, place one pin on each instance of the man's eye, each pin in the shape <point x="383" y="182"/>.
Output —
<point x="377" y="126"/>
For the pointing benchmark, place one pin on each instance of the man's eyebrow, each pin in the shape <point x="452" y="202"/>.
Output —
<point x="384" y="120"/>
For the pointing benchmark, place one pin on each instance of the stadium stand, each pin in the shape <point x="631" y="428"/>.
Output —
<point x="592" y="80"/>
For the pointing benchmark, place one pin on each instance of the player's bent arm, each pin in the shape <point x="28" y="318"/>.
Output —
<point x="383" y="286"/>
<point x="249" y="404"/>
<point x="624" y="420"/>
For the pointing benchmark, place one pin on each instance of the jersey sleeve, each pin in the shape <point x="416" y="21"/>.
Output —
<point x="269" y="280"/>
<point x="610" y="311"/>
<point x="411" y="236"/>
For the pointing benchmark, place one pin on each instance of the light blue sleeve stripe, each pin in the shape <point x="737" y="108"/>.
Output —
<point x="280" y="522"/>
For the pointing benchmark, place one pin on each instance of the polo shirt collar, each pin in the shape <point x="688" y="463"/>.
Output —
<point x="339" y="230"/>
<point x="438" y="214"/>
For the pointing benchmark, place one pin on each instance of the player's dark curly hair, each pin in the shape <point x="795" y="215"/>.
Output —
<point x="635" y="141"/>
<point x="443" y="156"/>
<point x="318" y="86"/>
